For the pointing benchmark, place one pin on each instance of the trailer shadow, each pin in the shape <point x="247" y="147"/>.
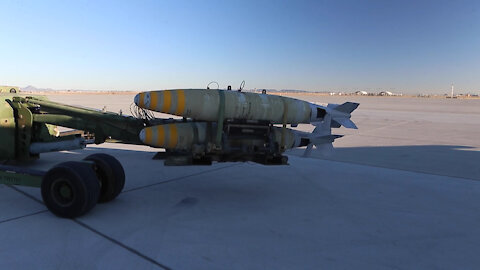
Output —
<point x="236" y="184"/>
<point x="449" y="160"/>
<point x="144" y="172"/>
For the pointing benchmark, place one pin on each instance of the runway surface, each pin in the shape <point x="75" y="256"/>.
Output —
<point x="402" y="192"/>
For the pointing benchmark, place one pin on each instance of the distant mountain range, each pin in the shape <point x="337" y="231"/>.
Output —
<point x="31" y="88"/>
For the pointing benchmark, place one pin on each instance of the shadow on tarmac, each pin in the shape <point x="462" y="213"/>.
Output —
<point x="448" y="160"/>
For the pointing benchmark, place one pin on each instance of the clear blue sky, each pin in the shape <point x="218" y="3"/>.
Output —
<point x="409" y="46"/>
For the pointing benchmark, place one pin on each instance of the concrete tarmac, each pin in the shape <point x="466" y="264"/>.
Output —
<point x="402" y="192"/>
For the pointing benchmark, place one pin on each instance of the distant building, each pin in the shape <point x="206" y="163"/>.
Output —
<point x="361" y="93"/>
<point x="385" y="93"/>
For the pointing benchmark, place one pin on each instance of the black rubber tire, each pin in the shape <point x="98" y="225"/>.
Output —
<point x="79" y="181"/>
<point x="110" y="174"/>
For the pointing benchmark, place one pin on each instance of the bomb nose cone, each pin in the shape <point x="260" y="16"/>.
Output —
<point x="136" y="99"/>
<point x="142" y="100"/>
<point x="142" y="133"/>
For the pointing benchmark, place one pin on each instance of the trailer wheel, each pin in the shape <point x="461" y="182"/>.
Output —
<point x="111" y="175"/>
<point x="70" y="189"/>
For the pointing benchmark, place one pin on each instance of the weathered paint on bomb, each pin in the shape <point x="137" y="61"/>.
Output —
<point x="182" y="136"/>
<point x="204" y="105"/>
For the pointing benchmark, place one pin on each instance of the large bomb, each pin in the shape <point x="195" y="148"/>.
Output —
<point x="183" y="136"/>
<point x="206" y="105"/>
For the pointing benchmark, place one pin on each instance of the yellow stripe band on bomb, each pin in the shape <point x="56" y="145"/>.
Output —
<point x="173" y="136"/>
<point x="180" y="102"/>
<point x="141" y="100"/>
<point x="154" y="100"/>
<point x="160" y="136"/>
<point x="148" y="135"/>
<point x="167" y="101"/>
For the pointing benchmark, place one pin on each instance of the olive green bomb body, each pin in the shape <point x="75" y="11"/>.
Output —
<point x="205" y="105"/>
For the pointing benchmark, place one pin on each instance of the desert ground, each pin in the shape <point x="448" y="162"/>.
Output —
<point x="401" y="192"/>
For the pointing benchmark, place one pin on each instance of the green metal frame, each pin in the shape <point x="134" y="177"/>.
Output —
<point x="10" y="175"/>
<point x="25" y="120"/>
<point x="23" y="129"/>
<point x="20" y="176"/>
<point x="105" y="125"/>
